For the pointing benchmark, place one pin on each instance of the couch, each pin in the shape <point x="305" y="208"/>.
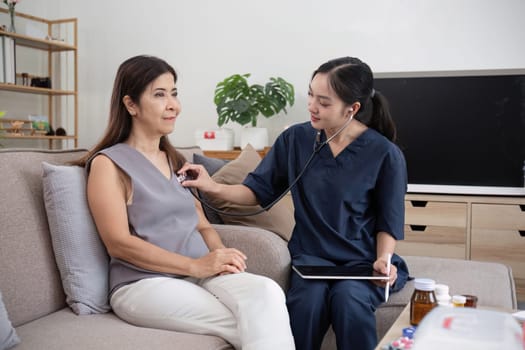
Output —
<point x="35" y="301"/>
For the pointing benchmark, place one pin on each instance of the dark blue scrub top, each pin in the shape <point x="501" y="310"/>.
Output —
<point x="340" y="203"/>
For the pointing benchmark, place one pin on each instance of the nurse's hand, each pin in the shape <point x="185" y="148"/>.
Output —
<point x="195" y="175"/>
<point x="380" y="267"/>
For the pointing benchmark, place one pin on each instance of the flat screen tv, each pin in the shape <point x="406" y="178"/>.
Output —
<point x="460" y="132"/>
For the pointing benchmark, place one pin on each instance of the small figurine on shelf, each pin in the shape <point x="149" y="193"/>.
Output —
<point x="16" y="127"/>
<point x="61" y="132"/>
<point x="48" y="37"/>
<point x="25" y="79"/>
<point x="51" y="131"/>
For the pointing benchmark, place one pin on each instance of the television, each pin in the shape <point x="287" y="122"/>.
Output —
<point x="460" y="132"/>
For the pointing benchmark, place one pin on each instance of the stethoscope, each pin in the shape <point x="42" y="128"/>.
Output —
<point x="317" y="146"/>
<point x="317" y="142"/>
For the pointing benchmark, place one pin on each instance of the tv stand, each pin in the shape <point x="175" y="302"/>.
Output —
<point x="485" y="228"/>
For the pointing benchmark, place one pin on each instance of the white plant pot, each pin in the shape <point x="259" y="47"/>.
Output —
<point x="257" y="137"/>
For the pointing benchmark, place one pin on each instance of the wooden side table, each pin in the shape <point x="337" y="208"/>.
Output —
<point x="230" y="155"/>
<point x="396" y="330"/>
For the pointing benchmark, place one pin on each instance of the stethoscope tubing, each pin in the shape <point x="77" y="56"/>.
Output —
<point x="317" y="146"/>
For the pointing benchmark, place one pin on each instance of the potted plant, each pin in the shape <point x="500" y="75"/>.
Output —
<point x="239" y="102"/>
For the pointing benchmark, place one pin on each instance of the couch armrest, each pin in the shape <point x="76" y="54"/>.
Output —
<point x="267" y="253"/>
<point x="491" y="282"/>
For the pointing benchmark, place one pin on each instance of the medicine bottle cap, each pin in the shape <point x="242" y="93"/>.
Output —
<point x="459" y="299"/>
<point x="409" y="332"/>
<point x="425" y="284"/>
<point x="441" y="289"/>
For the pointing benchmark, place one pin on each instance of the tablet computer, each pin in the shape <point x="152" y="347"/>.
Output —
<point x="362" y="272"/>
<point x="358" y="272"/>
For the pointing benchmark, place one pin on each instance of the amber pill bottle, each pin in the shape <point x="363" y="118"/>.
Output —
<point x="423" y="299"/>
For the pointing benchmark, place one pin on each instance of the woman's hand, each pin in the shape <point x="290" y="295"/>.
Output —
<point x="380" y="266"/>
<point x="218" y="262"/>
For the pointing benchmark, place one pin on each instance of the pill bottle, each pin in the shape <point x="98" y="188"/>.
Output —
<point x="423" y="299"/>
<point x="472" y="300"/>
<point x="442" y="296"/>
<point x="459" y="300"/>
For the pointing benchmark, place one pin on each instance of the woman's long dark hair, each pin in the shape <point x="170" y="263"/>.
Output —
<point x="133" y="76"/>
<point x="353" y="81"/>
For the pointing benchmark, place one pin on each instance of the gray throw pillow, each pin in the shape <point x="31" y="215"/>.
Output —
<point x="212" y="165"/>
<point x="8" y="336"/>
<point x="81" y="257"/>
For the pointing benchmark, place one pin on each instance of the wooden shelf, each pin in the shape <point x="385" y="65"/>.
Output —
<point x="40" y="44"/>
<point x="35" y="90"/>
<point x="37" y="137"/>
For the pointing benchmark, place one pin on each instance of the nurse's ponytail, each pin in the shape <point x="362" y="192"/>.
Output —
<point x="381" y="119"/>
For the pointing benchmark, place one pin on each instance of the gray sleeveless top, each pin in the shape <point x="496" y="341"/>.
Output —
<point x="162" y="212"/>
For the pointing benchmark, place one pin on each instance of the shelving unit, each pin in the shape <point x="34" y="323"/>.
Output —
<point x="60" y="88"/>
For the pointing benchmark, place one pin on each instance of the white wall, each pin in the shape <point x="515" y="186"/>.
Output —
<point x="206" y="40"/>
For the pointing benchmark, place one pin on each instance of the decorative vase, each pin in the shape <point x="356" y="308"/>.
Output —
<point x="12" y="19"/>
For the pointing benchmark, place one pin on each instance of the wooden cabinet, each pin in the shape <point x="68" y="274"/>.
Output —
<point x="231" y="155"/>
<point x="498" y="234"/>
<point x="62" y="98"/>
<point x="467" y="227"/>
<point x="435" y="229"/>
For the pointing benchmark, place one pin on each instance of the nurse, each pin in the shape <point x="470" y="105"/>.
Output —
<point x="349" y="202"/>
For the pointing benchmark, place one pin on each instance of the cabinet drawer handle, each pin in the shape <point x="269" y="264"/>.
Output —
<point x="522" y="207"/>
<point x="419" y="204"/>
<point x="522" y="233"/>
<point x="420" y="228"/>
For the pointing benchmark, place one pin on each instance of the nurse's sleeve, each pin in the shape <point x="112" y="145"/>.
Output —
<point x="390" y="193"/>
<point x="269" y="179"/>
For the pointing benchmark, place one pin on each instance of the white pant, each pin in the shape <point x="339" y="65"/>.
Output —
<point x="247" y="310"/>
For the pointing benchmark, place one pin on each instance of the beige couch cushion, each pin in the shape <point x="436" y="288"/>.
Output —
<point x="491" y="282"/>
<point x="29" y="277"/>
<point x="63" y="330"/>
